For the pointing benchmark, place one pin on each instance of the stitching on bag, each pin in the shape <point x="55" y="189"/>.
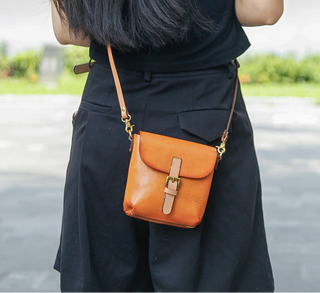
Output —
<point x="160" y="222"/>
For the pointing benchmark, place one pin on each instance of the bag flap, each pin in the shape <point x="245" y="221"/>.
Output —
<point x="157" y="151"/>
<point x="206" y="124"/>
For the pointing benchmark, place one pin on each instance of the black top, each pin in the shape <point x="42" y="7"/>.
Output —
<point x="211" y="49"/>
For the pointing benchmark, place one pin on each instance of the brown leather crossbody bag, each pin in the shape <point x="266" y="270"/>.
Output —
<point x="169" y="179"/>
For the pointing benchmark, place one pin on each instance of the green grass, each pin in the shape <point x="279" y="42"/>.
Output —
<point x="68" y="83"/>
<point x="71" y="84"/>
<point x="311" y="90"/>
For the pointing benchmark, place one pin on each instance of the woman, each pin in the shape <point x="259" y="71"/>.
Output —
<point x="175" y="63"/>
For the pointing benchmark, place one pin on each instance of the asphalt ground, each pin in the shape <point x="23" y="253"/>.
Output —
<point x="35" y="134"/>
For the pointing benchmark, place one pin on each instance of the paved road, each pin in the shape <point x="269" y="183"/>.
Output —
<point x="34" y="148"/>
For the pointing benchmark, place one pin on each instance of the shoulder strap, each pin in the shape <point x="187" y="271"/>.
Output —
<point x="123" y="107"/>
<point x="125" y="117"/>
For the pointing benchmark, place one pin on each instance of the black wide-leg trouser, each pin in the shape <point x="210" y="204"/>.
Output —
<point x="102" y="249"/>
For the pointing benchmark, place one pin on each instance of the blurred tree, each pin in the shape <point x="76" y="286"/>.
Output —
<point x="3" y="48"/>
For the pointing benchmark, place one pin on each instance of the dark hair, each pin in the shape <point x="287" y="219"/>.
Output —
<point x="133" y="24"/>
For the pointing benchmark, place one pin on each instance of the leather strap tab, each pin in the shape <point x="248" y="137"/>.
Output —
<point x="171" y="189"/>
<point x="83" y="68"/>
<point x="167" y="203"/>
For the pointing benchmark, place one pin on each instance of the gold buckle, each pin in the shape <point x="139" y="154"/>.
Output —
<point x="173" y="179"/>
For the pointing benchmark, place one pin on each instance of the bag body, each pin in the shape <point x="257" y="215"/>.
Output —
<point x="147" y="193"/>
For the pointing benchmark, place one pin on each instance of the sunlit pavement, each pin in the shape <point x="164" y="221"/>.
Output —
<point x="35" y="133"/>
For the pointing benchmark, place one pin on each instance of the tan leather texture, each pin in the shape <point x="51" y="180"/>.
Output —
<point x="171" y="189"/>
<point x="144" y="196"/>
<point x="167" y="203"/>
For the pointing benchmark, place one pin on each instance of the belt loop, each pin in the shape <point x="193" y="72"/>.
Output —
<point x="237" y="63"/>
<point x="90" y="63"/>
<point x="147" y="76"/>
<point x="232" y="68"/>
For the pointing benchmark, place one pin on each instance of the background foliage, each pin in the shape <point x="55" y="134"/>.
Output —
<point x="260" y="74"/>
<point x="27" y="63"/>
<point x="266" y="68"/>
<point x="256" y="68"/>
<point x="75" y="55"/>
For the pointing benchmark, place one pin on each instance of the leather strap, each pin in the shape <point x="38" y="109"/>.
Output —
<point x="82" y="68"/>
<point x="123" y="107"/>
<point x="171" y="189"/>
<point x="226" y="132"/>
